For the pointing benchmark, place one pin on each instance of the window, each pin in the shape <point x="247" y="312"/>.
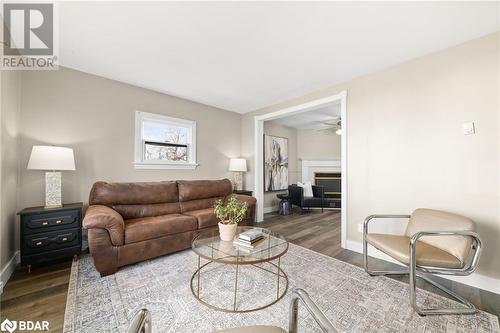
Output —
<point x="163" y="142"/>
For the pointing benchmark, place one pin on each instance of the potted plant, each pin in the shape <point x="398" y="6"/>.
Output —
<point x="230" y="214"/>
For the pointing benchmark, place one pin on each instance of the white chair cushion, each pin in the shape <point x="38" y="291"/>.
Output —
<point x="308" y="190"/>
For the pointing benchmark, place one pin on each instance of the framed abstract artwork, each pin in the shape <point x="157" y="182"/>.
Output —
<point x="275" y="163"/>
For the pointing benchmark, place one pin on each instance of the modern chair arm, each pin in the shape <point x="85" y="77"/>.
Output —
<point x="312" y="308"/>
<point x="365" y="238"/>
<point x="141" y="323"/>
<point x="462" y="271"/>
<point x="381" y="216"/>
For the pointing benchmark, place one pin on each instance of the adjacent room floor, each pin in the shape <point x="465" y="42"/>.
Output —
<point x="41" y="294"/>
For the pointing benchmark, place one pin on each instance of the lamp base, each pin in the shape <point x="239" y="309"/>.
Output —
<point x="238" y="180"/>
<point x="53" y="189"/>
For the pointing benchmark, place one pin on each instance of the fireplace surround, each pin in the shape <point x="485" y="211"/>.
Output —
<point x="332" y="184"/>
<point x="325" y="173"/>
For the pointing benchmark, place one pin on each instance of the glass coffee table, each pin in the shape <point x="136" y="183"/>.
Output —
<point x="268" y="252"/>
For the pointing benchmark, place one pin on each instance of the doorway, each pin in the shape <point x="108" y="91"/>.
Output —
<point x="341" y="99"/>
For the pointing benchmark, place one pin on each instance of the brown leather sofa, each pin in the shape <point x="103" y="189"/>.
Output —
<point x="131" y="222"/>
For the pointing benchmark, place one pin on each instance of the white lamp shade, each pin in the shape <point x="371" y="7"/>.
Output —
<point x="238" y="165"/>
<point x="51" y="158"/>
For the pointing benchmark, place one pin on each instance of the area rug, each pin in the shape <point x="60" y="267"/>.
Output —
<point x="351" y="300"/>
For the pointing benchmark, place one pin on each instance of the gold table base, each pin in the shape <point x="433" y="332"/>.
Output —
<point x="280" y="274"/>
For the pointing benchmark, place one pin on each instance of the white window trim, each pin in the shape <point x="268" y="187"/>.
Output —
<point x="139" y="162"/>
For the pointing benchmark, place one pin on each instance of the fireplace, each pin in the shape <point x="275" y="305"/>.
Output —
<point x="332" y="184"/>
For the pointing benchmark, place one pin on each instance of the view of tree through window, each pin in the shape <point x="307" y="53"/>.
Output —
<point x="163" y="142"/>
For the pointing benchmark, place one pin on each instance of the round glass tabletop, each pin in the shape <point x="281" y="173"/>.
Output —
<point x="209" y="246"/>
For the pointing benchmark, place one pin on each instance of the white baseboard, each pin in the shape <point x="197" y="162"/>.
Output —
<point x="271" y="209"/>
<point x="8" y="269"/>
<point x="474" y="280"/>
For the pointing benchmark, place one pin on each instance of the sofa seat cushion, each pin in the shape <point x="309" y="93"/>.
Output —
<point x="205" y="217"/>
<point x="145" y="228"/>
<point x="398" y="247"/>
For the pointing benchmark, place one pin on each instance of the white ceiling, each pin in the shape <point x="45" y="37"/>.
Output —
<point x="243" y="56"/>
<point x="313" y="119"/>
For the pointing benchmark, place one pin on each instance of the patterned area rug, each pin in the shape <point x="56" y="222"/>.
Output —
<point x="352" y="300"/>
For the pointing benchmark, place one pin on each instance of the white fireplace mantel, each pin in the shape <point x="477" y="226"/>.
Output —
<point x="309" y="167"/>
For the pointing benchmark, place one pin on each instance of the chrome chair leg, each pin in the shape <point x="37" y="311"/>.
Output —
<point x="468" y="308"/>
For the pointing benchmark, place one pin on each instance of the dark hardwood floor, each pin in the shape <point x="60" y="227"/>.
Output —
<point x="41" y="294"/>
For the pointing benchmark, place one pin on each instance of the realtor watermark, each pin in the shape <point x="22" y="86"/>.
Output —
<point x="23" y="325"/>
<point x="30" y="38"/>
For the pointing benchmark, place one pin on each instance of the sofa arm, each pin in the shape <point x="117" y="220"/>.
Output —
<point x="318" y="191"/>
<point x="251" y="203"/>
<point x="297" y="195"/>
<point x="103" y="217"/>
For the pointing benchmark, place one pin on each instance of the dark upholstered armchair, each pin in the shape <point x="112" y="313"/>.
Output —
<point x="298" y="198"/>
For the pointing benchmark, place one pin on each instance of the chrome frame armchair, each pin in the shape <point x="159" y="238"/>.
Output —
<point x="414" y="270"/>
<point x="141" y="323"/>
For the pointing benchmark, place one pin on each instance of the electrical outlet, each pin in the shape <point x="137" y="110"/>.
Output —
<point x="360" y="227"/>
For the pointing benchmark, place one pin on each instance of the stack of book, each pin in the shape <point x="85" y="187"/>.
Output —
<point x="250" y="238"/>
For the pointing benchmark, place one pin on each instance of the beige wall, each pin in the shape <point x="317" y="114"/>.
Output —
<point x="314" y="144"/>
<point x="9" y="144"/>
<point x="317" y="145"/>
<point x="405" y="145"/>
<point x="270" y="128"/>
<point x="95" y="116"/>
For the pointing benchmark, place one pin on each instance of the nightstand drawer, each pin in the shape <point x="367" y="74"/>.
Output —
<point x="51" y="241"/>
<point x="50" y="221"/>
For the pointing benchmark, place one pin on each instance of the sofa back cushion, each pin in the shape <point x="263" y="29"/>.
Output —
<point x="134" y="200"/>
<point x="201" y="194"/>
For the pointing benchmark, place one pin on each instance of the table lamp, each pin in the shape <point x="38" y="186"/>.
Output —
<point x="238" y="166"/>
<point x="53" y="159"/>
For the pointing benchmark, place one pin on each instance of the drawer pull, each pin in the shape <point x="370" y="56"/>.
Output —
<point x="65" y="238"/>
<point x="58" y="222"/>
<point x="45" y="223"/>
<point x="38" y="243"/>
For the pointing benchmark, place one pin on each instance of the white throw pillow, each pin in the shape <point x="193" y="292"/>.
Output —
<point x="308" y="190"/>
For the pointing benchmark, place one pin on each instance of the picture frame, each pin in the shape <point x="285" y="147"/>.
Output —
<point x="275" y="163"/>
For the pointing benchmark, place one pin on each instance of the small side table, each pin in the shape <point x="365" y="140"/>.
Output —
<point x="50" y="233"/>
<point x="243" y="192"/>
<point x="285" y="207"/>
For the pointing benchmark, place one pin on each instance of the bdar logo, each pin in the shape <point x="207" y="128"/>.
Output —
<point x="8" y="325"/>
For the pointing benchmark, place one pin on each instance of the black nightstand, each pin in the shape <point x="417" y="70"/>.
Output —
<point x="243" y="192"/>
<point x="50" y="233"/>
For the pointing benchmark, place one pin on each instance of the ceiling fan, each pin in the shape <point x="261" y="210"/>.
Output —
<point x="335" y="125"/>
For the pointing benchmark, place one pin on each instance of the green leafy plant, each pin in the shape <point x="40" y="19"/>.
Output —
<point x="231" y="212"/>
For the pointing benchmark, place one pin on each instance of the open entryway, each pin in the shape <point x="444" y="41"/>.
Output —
<point x="301" y="145"/>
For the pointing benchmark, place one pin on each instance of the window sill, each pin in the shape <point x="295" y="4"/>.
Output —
<point x="154" y="166"/>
